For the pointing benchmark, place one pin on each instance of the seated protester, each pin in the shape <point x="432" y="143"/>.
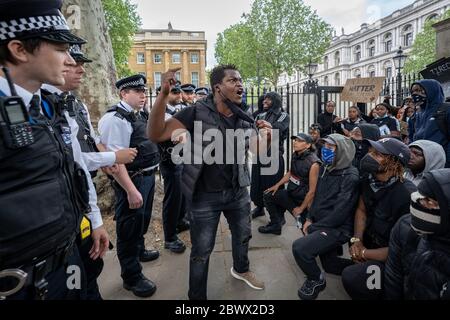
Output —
<point x="389" y="126"/>
<point x="385" y="197"/>
<point x="425" y="156"/>
<point x="418" y="265"/>
<point x="330" y="219"/>
<point x="302" y="181"/>
<point x="358" y="134"/>
<point x="314" y="131"/>
<point x="353" y="120"/>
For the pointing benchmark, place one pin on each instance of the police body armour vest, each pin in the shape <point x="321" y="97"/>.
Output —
<point x="39" y="208"/>
<point x="148" y="153"/>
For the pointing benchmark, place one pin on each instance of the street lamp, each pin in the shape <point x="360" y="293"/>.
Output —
<point x="310" y="69"/>
<point x="399" y="62"/>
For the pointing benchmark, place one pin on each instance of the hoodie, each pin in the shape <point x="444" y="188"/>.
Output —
<point x="337" y="191"/>
<point x="370" y="132"/>
<point x="434" y="156"/>
<point x="426" y="127"/>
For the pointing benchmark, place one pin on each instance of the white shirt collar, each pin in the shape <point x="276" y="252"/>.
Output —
<point x="51" y="89"/>
<point x="23" y="93"/>
<point x="125" y="106"/>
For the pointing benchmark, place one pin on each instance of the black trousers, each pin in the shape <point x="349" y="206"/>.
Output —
<point x="92" y="268"/>
<point x="360" y="280"/>
<point x="174" y="204"/>
<point x="277" y="205"/>
<point x="322" y="243"/>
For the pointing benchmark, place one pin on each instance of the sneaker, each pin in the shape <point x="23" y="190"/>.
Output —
<point x="176" y="246"/>
<point x="311" y="289"/>
<point x="249" y="278"/>
<point x="270" y="228"/>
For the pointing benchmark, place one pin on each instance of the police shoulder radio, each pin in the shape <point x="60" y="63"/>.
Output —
<point x="15" y="128"/>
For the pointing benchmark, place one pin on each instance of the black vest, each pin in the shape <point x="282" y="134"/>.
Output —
<point x="41" y="196"/>
<point x="298" y="185"/>
<point x="166" y="147"/>
<point x="206" y="112"/>
<point x="148" y="153"/>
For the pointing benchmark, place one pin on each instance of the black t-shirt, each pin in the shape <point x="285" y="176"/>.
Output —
<point x="214" y="177"/>
<point x="387" y="125"/>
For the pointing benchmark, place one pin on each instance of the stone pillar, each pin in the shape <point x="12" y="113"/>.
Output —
<point x="166" y="60"/>
<point x="442" y="39"/>
<point x="202" y="79"/>
<point x="185" y="68"/>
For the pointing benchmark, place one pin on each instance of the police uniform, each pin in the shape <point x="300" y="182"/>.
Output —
<point x="43" y="191"/>
<point x="202" y="92"/>
<point x="188" y="88"/>
<point x="122" y="127"/>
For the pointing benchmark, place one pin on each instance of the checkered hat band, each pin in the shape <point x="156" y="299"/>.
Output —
<point x="132" y="84"/>
<point x="15" y="28"/>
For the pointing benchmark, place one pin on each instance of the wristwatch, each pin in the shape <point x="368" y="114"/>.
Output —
<point x="354" y="240"/>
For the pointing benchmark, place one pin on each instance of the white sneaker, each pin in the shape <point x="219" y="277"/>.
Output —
<point x="249" y="278"/>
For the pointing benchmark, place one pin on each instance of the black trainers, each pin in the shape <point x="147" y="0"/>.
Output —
<point x="149" y="255"/>
<point x="183" y="226"/>
<point x="143" y="288"/>
<point x="311" y="289"/>
<point x="176" y="246"/>
<point x="257" y="212"/>
<point x="270" y="228"/>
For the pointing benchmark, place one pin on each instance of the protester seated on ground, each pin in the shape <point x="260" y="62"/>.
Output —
<point x="301" y="183"/>
<point x="353" y="120"/>
<point x="432" y="116"/>
<point x="361" y="132"/>
<point x="314" y="131"/>
<point x="425" y="156"/>
<point x="389" y="126"/>
<point x="329" y="222"/>
<point x="385" y="197"/>
<point x="418" y="265"/>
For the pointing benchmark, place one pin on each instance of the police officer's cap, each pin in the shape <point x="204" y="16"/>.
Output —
<point x="176" y="89"/>
<point x="26" y="19"/>
<point x="137" y="81"/>
<point x="202" y="91"/>
<point x="189" y="88"/>
<point x="77" y="54"/>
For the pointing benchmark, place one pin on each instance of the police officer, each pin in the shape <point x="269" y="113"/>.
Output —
<point x="188" y="94"/>
<point x="123" y="126"/>
<point x="93" y="236"/>
<point x="201" y="93"/>
<point x="272" y="113"/>
<point x="43" y="191"/>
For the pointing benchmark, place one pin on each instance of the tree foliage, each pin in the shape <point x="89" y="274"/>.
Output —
<point x="276" y="36"/>
<point x="423" y="52"/>
<point x="123" y="22"/>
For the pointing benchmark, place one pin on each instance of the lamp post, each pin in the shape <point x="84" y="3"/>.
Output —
<point x="399" y="62"/>
<point x="311" y="85"/>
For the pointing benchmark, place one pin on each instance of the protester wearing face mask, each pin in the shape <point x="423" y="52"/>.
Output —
<point x="418" y="266"/>
<point x="385" y="197"/>
<point x="389" y="126"/>
<point x="432" y="116"/>
<point x="425" y="157"/>
<point x="330" y="219"/>
<point x="361" y="132"/>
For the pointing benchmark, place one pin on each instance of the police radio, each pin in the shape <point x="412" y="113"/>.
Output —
<point x="14" y="125"/>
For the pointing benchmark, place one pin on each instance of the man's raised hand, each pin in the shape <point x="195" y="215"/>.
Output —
<point x="168" y="80"/>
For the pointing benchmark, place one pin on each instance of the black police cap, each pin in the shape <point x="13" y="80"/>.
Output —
<point x="137" y="81"/>
<point x="202" y="91"/>
<point x="188" y="87"/>
<point x="26" y="19"/>
<point x="77" y="54"/>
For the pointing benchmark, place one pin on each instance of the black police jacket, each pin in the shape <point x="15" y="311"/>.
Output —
<point x="43" y="193"/>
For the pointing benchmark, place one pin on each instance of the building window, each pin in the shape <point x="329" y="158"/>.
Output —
<point x="371" y="71"/>
<point x="388" y="72"/>
<point x="337" y="79"/>
<point x="372" y="74"/>
<point x="407" y="34"/>
<point x="434" y="16"/>
<point x="176" y="58"/>
<point x="357" y="53"/>
<point x="194" y="78"/>
<point x="325" y="63"/>
<point x="178" y="76"/>
<point x="325" y="81"/>
<point x="157" y="79"/>
<point x="157" y="58"/>
<point x="371" y="46"/>
<point x="141" y="58"/>
<point x="194" y="58"/>
<point x="357" y="73"/>
<point x="337" y="58"/>
<point x="388" y="42"/>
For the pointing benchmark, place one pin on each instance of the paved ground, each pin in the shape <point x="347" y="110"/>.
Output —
<point x="270" y="257"/>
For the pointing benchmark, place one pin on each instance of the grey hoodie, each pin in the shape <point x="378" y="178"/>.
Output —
<point x="345" y="152"/>
<point x="434" y="155"/>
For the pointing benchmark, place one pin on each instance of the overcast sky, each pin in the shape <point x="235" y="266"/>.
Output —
<point x="214" y="16"/>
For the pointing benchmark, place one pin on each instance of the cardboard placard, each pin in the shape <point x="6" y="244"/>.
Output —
<point x="363" y="90"/>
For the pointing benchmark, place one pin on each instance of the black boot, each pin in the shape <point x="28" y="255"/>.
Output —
<point x="258" y="212"/>
<point x="142" y="288"/>
<point x="271" y="228"/>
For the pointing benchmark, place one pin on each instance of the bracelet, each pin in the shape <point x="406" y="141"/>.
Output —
<point x="363" y="254"/>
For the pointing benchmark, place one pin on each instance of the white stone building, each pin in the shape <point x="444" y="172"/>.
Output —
<point x="369" y="52"/>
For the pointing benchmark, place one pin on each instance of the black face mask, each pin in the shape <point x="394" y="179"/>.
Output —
<point x="370" y="165"/>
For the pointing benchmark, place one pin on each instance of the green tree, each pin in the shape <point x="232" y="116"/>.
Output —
<point x="123" y="22"/>
<point x="276" y="36"/>
<point x="423" y="51"/>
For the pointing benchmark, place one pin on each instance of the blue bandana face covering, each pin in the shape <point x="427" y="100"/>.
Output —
<point x="328" y="156"/>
